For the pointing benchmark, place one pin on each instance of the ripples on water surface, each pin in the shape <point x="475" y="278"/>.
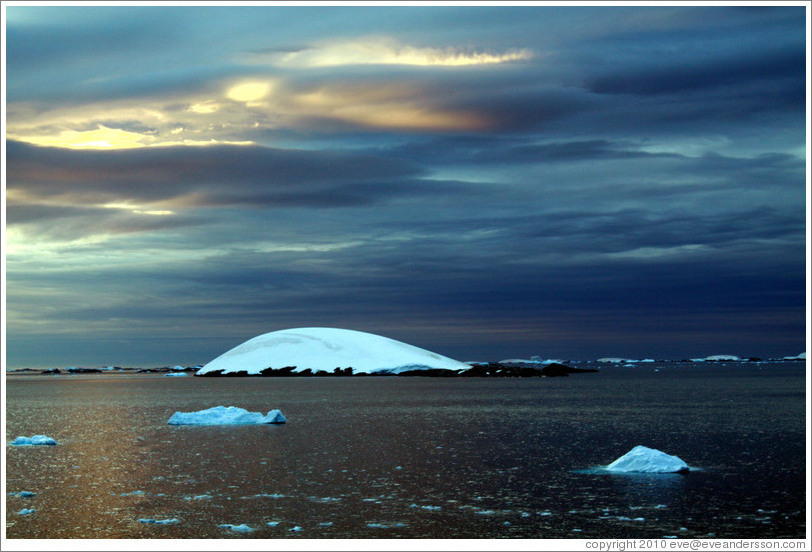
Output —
<point x="412" y="457"/>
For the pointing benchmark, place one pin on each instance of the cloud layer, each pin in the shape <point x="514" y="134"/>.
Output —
<point x="525" y="181"/>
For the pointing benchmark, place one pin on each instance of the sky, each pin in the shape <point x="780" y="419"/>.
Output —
<point x="485" y="182"/>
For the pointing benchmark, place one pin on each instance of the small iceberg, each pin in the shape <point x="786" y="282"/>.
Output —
<point x="36" y="440"/>
<point x="242" y="528"/>
<point x="26" y="511"/>
<point x="647" y="460"/>
<point x="175" y="375"/>
<point x="222" y="415"/>
<point x="23" y="494"/>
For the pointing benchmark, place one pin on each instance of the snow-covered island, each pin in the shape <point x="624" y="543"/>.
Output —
<point x="647" y="460"/>
<point x="334" y="351"/>
<point x="326" y="349"/>
<point x="222" y="415"/>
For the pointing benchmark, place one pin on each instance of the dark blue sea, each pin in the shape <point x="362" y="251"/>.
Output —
<point x="418" y="457"/>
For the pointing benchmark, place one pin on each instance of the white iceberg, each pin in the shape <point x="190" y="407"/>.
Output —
<point x="35" y="440"/>
<point x="175" y="375"/>
<point x="222" y="415"/>
<point x="647" y="460"/>
<point x="26" y="511"/>
<point x="801" y="356"/>
<point x="325" y="349"/>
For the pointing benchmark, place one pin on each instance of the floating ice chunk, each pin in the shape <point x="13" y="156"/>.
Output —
<point x="385" y="526"/>
<point x="426" y="507"/>
<point x="26" y="511"/>
<point x="222" y="415"/>
<point x="153" y="521"/>
<point x="242" y="528"/>
<point x="273" y="523"/>
<point x="198" y="497"/>
<point x="646" y="460"/>
<point x="23" y="494"/>
<point x="175" y="375"/>
<point x="35" y="440"/>
<point x="295" y="529"/>
<point x="324" y="500"/>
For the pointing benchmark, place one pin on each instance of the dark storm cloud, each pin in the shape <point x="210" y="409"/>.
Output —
<point x="22" y="214"/>
<point x="783" y="68"/>
<point x="214" y="175"/>
<point x="426" y="281"/>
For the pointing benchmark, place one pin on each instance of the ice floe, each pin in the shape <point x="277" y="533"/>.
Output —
<point x="325" y="349"/>
<point x="222" y="415"/>
<point x="152" y="521"/>
<point x="26" y="511"/>
<point x="23" y="494"/>
<point x="426" y="507"/>
<point x="647" y="460"/>
<point x="175" y="375"/>
<point x="36" y="440"/>
<point x="242" y="528"/>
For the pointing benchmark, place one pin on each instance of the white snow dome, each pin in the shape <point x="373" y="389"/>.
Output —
<point x="326" y="349"/>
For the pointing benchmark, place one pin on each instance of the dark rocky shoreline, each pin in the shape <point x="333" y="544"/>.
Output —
<point x="490" y="370"/>
<point x="504" y="369"/>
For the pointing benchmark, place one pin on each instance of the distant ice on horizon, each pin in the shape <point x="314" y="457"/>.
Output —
<point x="222" y="415"/>
<point x="533" y="360"/>
<point x="647" y="460"/>
<point x="324" y="349"/>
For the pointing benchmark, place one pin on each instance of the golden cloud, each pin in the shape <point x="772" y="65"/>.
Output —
<point x="385" y="51"/>
<point x="235" y="115"/>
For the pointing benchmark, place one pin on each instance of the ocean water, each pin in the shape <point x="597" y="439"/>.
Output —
<point x="390" y="457"/>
